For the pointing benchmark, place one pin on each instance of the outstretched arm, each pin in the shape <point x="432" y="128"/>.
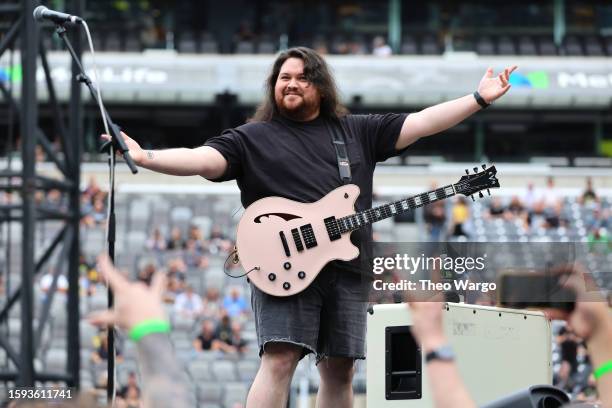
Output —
<point x="164" y="379"/>
<point x="202" y="161"/>
<point x="447" y="388"/>
<point x="445" y="115"/>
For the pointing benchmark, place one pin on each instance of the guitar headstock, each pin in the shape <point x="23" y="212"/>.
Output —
<point x="475" y="183"/>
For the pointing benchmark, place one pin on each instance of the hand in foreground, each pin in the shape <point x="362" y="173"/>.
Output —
<point x="134" y="301"/>
<point x="137" y="153"/>
<point x="591" y="317"/>
<point x="492" y="87"/>
<point x="427" y="327"/>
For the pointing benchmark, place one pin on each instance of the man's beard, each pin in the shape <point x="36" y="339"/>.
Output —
<point x="302" y="111"/>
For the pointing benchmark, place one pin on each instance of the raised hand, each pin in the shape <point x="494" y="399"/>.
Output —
<point x="137" y="153"/>
<point x="134" y="301"/>
<point x="492" y="86"/>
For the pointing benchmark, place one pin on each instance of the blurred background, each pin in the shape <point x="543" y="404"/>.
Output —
<point x="176" y="73"/>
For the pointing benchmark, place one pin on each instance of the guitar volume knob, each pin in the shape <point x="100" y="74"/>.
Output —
<point x="301" y="274"/>
<point x="286" y="286"/>
<point x="287" y="265"/>
<point x="272" y="277"/>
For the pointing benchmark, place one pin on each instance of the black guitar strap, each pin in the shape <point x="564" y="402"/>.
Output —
<point x="344" y="165"/>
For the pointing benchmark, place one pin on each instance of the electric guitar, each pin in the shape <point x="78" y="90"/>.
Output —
<point x="283" y="244"/>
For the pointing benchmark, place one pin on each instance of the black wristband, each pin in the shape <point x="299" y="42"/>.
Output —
<point x="481" y="101"/>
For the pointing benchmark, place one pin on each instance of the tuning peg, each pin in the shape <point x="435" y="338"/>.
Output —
<point x="467" y="172"/>
<point x="488" y="192"/>
<point x="475" y="169"/>
<point x="480" y="194"/>
<point x="473" y="199"/>
<point x="484" y="166"/>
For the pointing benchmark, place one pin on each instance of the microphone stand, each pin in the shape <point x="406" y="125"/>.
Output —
<point x="116" y="144"/>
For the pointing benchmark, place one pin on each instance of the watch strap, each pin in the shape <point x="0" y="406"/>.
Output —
<point x="480" y="100"/>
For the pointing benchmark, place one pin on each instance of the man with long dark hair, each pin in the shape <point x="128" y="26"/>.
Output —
<point x="286" y="150"/>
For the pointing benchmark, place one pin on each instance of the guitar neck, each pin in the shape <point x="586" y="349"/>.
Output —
<point x="372" y="215"/>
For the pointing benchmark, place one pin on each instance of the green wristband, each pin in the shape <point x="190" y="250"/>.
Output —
<point x="605" y="368"/>
<point x="149" y="326"/>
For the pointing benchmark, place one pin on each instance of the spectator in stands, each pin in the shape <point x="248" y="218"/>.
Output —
<point x="46" y="281"/>
<point x="176" y="267"/>
<point x="496" y="208"/>
<point x="435" y="219"/>
<point x="93" y="188"/>
<point x="132" y="381"/>
<point x="530" y="197"/>
<point x="156" y="241"/>
<point x="146" y="271"/>
<point x="380" y="48"/>
<point x="100" y="354"/>
<point x="460" y="217"/>
<point x="224" y="328"/>
<point x="188" y="304"/>
<point x="218" y="242"/>
<point x="299" y="109"/>
<point x="234" y="343"/>
<point x="139" y="310"/>
<point x="207" y="339"/>
<point x="175" y="241"/>
<point x="212" y="303"/>
<point x="589" y="197"/>
<point x="516" y="209"/>
<point x="98" y="212"/>
<point x="234" y="304"/>
<point x="549" y="198"/>
<point x="193" y="256"/>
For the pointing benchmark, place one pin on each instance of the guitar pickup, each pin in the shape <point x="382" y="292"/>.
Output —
<point x="308" y="234"/>
<point x="285" y="244"/>
<point x="297" y="239"/>
<point x="333" y="230"/>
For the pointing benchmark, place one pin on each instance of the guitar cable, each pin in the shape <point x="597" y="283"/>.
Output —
<point x="234" y="259"/>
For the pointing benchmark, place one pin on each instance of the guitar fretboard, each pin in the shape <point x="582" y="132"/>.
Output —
<point x="360" y="219"/>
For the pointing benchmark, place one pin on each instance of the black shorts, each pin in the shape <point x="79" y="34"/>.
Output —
<point x="328" y="318"/>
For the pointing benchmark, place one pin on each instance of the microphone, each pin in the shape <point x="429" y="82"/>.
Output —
<point x="42" y="13"/>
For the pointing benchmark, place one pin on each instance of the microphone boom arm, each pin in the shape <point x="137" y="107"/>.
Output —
<point x="116" y="139"/>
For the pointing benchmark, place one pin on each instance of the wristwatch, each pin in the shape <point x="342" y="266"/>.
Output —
<point x="442" y="353"/>
<point x="480" y="100"/>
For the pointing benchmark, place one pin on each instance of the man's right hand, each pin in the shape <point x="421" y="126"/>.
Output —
<point x="137" y="152"/>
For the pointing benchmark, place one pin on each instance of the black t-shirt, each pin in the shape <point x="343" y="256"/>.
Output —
<point x="206" y="342"/>
<point x="297" y="160"/>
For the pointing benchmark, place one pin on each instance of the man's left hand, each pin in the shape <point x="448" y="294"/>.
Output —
<point x="492" y="86"/>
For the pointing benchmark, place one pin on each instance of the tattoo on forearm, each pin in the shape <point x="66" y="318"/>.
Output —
<point x="149" y="155"/>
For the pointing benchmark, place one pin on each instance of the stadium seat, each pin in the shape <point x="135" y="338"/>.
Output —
<point x="113" y="41"/>
<point x="209" y="45"/>
<point x="485" y="46"/>
<point x="505" y="46"/>
<point x="235" y="393"/>
<point x="224" y="370"/>
<point x="593" y="47"/>
<point x="209" y="392"/>
<point x="56" y="359"/>
<point x="527" y="46"/>
<point x="200" y="371"/>
<point x="546" y="46"/>
<point x="266" y="47"/>
<point x="429" y="45"/>
<point x="247" y="369"/>
<point x="573" y="46"/>
<point x="245" y="47"/>
<point x="187" y="43"/>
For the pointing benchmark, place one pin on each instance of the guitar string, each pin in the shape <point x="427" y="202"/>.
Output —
<point x="384" y="208"/>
